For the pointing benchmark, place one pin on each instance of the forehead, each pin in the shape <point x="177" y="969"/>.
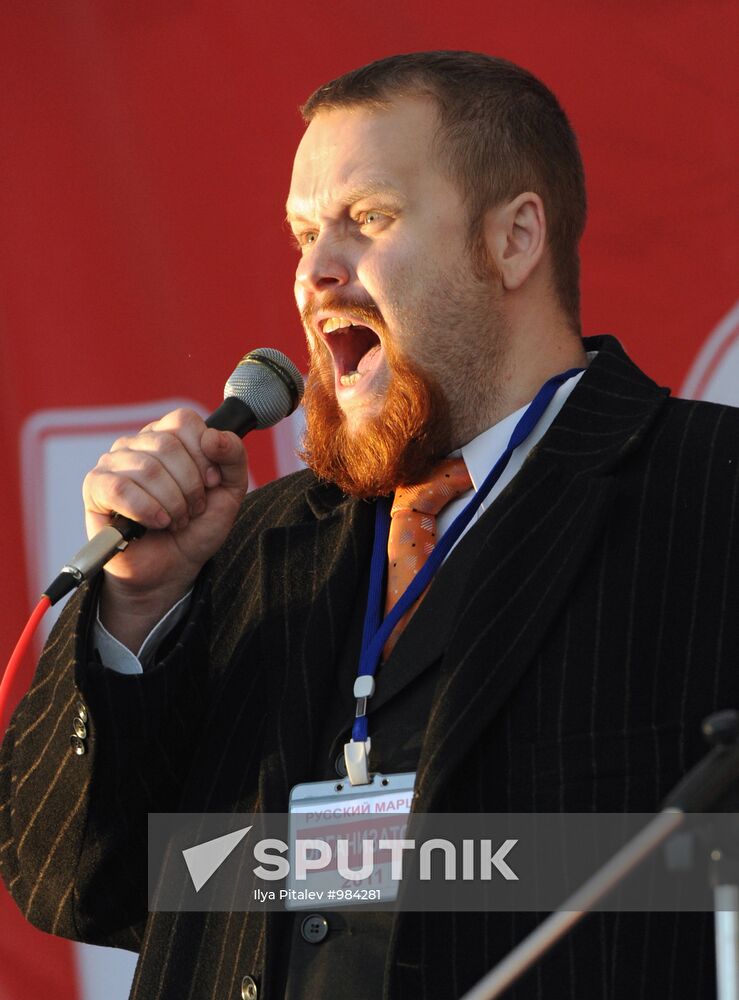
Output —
<point x="345" y="151"/>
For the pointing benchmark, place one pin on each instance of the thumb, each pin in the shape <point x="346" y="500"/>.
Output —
<point x="227" y="452"/>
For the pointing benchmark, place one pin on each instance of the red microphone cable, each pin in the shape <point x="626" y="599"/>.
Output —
<point x="16" y="659"/>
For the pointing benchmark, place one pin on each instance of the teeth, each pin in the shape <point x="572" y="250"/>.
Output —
<point x="350" y="379"/>
<point x="336" y="323"/>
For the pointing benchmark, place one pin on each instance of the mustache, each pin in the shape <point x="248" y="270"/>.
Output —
<point x="364" y="312"/>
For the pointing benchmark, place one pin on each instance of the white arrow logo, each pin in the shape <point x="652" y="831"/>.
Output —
<point x="204" y="860"/>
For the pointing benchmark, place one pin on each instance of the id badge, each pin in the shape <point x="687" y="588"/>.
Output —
<point x="341" y="840"/>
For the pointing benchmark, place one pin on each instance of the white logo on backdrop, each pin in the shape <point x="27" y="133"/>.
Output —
<point x="714" y="375"/>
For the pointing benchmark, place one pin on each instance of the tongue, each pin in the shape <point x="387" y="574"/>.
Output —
<point x="368" y="358"/>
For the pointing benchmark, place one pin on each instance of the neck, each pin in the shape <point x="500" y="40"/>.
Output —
<point x="517" y="379"/>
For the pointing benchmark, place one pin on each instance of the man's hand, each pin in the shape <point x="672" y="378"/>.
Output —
<point x="184" y="482"/>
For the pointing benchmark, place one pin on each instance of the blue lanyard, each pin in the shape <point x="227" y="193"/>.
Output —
<point x="376" y="631"/>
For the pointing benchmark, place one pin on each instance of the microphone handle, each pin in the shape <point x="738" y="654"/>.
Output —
<point x="232" y="415"/>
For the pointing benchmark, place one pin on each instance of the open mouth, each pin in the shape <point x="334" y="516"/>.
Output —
<point x="353" y="347"/>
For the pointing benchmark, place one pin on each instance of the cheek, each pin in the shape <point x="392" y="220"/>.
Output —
<point x="300" y="295"/>
<point x="386" y="271"/>
<point x="409" y="296"/>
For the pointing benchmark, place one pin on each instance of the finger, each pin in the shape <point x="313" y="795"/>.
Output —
<point x="226" y="450"/>
<point x="175" y="482"/>
<point x="170" y="451"/>
<point x="104" y="492"/>
<point x="187" y="426"/>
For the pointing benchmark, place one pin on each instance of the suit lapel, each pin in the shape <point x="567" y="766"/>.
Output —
<point x="528" y="560"/>
<point x="529" y="548"/>
<point x="310" y="572"/>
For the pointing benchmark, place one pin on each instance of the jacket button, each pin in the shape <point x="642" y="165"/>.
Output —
<point x="81" y="711"/>
<point x="249" y="989"/>
<point x="80" y="729"/>
<point x="314" y="928"/>
<point x="77" y="745"/>
<point x="340" y="765"/>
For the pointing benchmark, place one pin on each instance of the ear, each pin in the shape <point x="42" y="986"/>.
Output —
<point x="515" y="234"/>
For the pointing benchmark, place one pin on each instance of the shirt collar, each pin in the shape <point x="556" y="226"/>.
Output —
<point x="482" y="452"/>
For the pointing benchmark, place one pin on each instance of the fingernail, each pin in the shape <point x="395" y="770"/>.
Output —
<point x="163" y="518"/>
<point x="212" y="476"/>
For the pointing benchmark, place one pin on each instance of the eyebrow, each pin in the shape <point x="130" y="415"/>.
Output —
<point x="350" y="196"/>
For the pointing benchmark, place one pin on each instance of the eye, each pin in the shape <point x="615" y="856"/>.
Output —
<point x="303" y="240"/>
<point x="371" y="217"/>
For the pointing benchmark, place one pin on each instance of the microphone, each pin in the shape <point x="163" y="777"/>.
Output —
<point x="264" y="388"/>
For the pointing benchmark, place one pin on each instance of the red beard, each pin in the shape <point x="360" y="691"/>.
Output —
<point x="396" y="448"/>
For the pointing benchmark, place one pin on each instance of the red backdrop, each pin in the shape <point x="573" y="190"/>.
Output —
<point x="145" y="153"/>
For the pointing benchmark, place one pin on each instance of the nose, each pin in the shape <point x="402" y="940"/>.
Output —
<point x="323" y="266"/>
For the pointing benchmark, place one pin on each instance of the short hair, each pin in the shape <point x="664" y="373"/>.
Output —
<point x="501" y="132"/>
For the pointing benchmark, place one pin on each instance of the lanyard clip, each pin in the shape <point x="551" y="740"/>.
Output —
<point x="356" y="757"/>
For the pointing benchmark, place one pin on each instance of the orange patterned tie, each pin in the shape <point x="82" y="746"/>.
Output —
<point x="413" y="532"/>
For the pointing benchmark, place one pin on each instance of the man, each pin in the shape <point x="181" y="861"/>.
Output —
<point x="564" y="655"/>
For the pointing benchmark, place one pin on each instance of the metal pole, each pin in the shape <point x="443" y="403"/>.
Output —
<point x="726" y="923"/>
<point x="577" y="906"/>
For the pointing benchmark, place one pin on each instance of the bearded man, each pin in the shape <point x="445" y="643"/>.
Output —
<point x="563" y="656"/>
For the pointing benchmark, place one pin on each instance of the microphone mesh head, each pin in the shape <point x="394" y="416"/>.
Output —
<point x="269" y="383"/>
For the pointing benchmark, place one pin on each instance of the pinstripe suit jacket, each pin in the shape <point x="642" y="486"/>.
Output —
<point x="597" y="625"/>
